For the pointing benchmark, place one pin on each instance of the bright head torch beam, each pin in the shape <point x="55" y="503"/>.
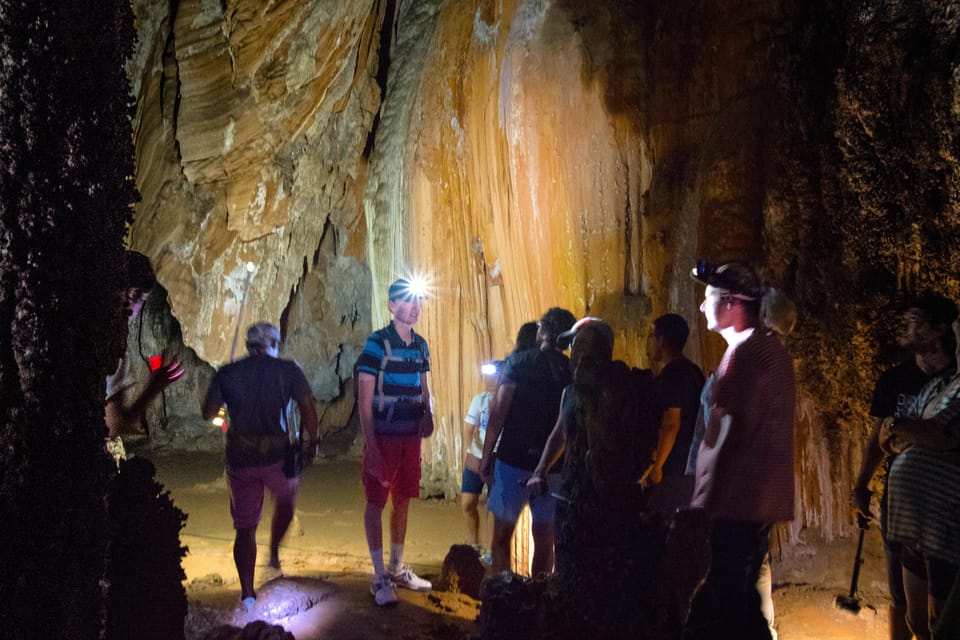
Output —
<point x="417" y="287"/>
<point x="410" y="287"/>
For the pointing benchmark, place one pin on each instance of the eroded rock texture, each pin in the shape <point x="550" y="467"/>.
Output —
<point x="530" y="153"/>
<point x="250" y="132"/>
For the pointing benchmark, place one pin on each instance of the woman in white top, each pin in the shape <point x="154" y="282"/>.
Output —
<point x="474" y="431"/>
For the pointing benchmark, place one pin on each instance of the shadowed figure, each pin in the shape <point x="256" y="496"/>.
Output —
<point x="605" y="546"/>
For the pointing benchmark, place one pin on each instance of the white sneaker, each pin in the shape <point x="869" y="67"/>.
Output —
<point x="404" y="576"/>
<point x="382" y="591"/>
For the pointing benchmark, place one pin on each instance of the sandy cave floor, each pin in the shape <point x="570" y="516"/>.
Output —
<point x="323" y="588"/>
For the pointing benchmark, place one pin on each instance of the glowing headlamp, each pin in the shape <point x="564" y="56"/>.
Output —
<point x="415" y="287"/>
<point x="491" y="368"/>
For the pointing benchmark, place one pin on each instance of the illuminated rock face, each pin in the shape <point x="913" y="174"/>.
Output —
<point x="528" y="154"/>
<point x="250" y="130"/>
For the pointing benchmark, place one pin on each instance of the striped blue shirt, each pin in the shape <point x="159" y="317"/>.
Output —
<point x="403" y="406"/>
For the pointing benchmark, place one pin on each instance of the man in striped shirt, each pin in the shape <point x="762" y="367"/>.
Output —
<point x="393" y="400"/>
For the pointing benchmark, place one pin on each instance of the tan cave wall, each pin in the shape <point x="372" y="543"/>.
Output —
<point x="250" y="127"/>
<point x="251" y="124"/>
<point x="527" y="171"/>
<point x="528" y="188"/>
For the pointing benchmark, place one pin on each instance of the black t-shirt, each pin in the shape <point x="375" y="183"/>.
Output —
<point x="257" y="391"/>
<point x="678" y="386"/>
<point x="896" y="388"/>
<point x="540" y="377"/>
<point x="575" y="450"/>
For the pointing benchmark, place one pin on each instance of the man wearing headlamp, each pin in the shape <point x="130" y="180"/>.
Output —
<point x="744" y="468"/>
<point x="393" y="400"/>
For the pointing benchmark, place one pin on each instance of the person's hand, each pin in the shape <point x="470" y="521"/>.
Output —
<point x="426" y="425"/>
<point x="373" y="464"/>
<point x="170" y="369"/>
<point x="308" y="451"/>
<point x="860" y="499"/>
<point x="653" y="475"/>
<point x="486" y="470"/>
<point x="536" y="486"/>
<point x="890" y="443"/>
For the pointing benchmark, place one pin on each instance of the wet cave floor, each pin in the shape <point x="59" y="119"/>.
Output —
<point x="323" y="588"/>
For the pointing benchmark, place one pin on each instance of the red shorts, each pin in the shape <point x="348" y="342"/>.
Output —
<point x="246" y="492"/>
<point x="401" y="461"/>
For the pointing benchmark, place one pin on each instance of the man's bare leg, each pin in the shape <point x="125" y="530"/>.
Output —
<point x="469" y="505"/>
<point x="245" y="557"/>
<point x="282" y="516"/>
<point x="542" y="548"/>
<point x="500" y="545"/>
<point x="373" y="527"/>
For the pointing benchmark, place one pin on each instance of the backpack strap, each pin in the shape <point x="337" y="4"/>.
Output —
<point x="387" y="354"/>
<point x="380" y="398"/>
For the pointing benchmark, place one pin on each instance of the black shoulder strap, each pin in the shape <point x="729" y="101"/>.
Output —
<point x="387" y="354"/>
<point x="419" y="341"/>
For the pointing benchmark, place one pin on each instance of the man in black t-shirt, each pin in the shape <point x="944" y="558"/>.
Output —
<point x="679" y="384"/>
<point x="256" y="392"/>
<point x="524" y="411"/>
<point x="925" y="331"/>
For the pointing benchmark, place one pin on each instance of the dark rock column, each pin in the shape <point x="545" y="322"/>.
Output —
<point x="65" y="198"/>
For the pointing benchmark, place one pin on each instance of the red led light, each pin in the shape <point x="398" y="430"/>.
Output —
<point x="155" y="362"/>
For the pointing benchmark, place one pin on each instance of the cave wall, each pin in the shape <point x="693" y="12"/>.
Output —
<point x="250" y="131"/>
<point x="532" y="153"/>
<point x="520" y="183"/>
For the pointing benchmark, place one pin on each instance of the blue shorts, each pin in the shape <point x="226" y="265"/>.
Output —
<point x="471" y="482"/>
<point x="508" y="495"/>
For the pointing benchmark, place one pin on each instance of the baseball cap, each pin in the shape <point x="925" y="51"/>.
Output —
<point x="739" y="278"/>
<point x="403" y="289"/>
<point x="593" y="323"/>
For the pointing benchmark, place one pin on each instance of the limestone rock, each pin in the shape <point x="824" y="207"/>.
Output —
<point x="251" y="125"/>
<point x="462" y="571"/>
